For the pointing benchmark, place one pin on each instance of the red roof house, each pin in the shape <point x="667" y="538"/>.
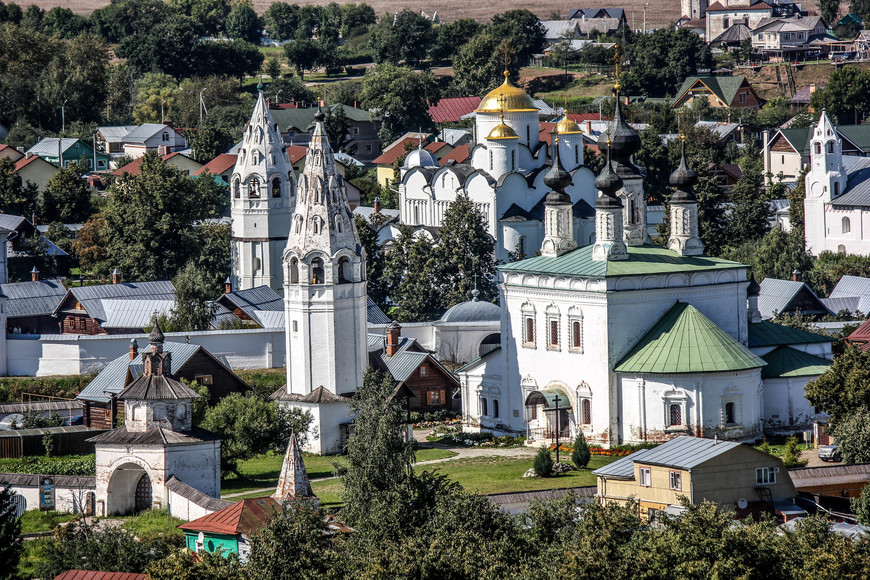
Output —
<point x="221" y="165"/>
<point x="94" y="575"/>
<point x="453" y="108"/>
<point x="459" y="155"/>
<point x="175" y="159"/>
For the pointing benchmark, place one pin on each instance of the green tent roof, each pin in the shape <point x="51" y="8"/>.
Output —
<point x="766" y="333"/>
<point x="686" y="341"/>
<point x="642" y="260"/>
<point x="724" y="87"/>
<point x="784" y="361"/>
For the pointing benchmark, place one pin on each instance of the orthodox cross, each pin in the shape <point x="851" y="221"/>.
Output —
<point x="557" y="409"/>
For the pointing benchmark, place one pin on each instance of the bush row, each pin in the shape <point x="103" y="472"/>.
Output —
<point x="69" y="465"/>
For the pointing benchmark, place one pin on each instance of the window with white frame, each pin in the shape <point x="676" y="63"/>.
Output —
<point x="676" y="480"/>
<point x="765" y="475"/>
<point x="730" y="413"/>
<point x="528" y="322"/>
<point x="585" y="411"/>
<point x="645" y="477"/>
<point x="553" y="333"/>
<point x="675" y="415"/>
<point x="575" y="330"/>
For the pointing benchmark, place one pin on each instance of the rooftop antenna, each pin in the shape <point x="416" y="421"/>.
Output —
<point x="475" y="293"/>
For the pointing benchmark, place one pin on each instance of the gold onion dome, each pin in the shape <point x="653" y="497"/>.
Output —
<point x="507" y="98"/>
<point x="567" y="126"/>
<point x="502" y="131"/>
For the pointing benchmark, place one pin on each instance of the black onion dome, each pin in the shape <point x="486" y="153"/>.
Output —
<point x="156" y="336"/>
<point x="683" y="178"/>
<point x="557" y="178"/>
<point x="754" y="288"/>
<point x="624" y="141"/>
<point x="319" y="116"/>
<point x="608" y="183"/>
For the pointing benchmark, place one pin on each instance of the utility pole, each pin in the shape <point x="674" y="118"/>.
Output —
<point x="201" y="106"/>
<point x="161" y="112"/>
<point x="644" y="16"/>
<point x="63" y="116"/>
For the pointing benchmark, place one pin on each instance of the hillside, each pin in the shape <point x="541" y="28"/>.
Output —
<point x="764" y="81"/>
<point x="659" y="12"/>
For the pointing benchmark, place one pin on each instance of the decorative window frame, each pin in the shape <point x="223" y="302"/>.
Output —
<point x="575" y="315"/>
<point x="675" y="481"/>
<point x="583" y="393"/>
<point x="731" y="395"/>
<point x="675" y="397"/>
<point x="527" y="311"/>
<point x="554" y="342"/>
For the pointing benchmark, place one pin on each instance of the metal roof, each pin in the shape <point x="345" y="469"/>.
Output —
<point x="38" y="298"/>
<point x="622" y="468"/>
<point x="766" y="333"/>
<point x="851" y="286"/>
<point x="784" y="362"/>
<point x="269" y="318"/>
<point x="686" y="341"/>
<point x="115" y="133"/>
<point x="259" y="298"/>
<point x="851" y="303"/>
<point x="642" y="260"/>
<point x="92" y="297"/>
<point x="11" y="222"/>
<point x="48" y="146"/>
<point x="857" y="192"/>
<point x="157" y="388"/>
<point x="144" y="132"/>
<point x="678" y="453"/>
<point x="776" y="295"/>
<point x="175" y="485"/>
<point x="402" y="364"/>
<point x="472" y="311"/>
<point x="39" y="406"/>
<point x="133" y="313"/>
<point x="154" y="435"/>
<point x="243" y="517"/>
<point x="374" y="314"/>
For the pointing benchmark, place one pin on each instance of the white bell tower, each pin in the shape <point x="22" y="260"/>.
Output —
<point x="825" y="181"/>
<point x="263" y="196"/>
<point x="324" y="281"/>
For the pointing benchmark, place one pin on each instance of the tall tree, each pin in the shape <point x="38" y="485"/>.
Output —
<point x="846" y="93"/>
<point x="411" y="273"/>
<point x="662" y="60"/>
<point x="207" y="15"/>
<point x="402" y="37"/>
<point x="479" y="65"/>
<point x="853" y="436"/>
<point x="402" y="98"/>
<point x="452" y="36"/>
<point x="375" y="261"/>
<point x="845" y="386"/>
<point x="750" y="210"/>
<point x="15" y="197"/>
<point x="302" y="54"/>
<point x="11" y="545"/>
<point x="243" y="23"/>
<point x="523" y="32"/>
<point x="282" y="20"/>
<point x="193" y="308"/>
<point x="209" y="142"/>
<point x="66" y="198"/>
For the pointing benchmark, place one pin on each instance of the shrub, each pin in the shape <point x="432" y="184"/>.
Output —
<point x="69" y="465"/>
<point x="581" y="455"/>
<point x="543" y="463"/>
<point x="791" y="457"/>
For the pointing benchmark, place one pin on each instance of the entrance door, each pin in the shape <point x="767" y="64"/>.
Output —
<point x="143" y="493"/>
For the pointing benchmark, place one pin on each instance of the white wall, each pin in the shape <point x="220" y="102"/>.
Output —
<point x="68" y="354"/>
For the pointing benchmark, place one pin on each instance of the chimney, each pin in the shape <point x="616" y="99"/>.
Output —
<point x="34" y="275"/>
<point x="394" y="335"/>
<point x="134" y="349"/>
<point x="21" y="150"/>
<point x="33" y="219"/>
<point x="796" y="276"/>
<point x="377" y="205"/>
<point x="116" y="276"/>
<point x="228" y="285"/>
<point x="589" y="127"/>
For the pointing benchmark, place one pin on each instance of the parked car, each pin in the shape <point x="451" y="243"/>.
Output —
<point x="829" y="452"/>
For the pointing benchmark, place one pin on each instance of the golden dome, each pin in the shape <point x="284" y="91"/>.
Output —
<point x="507" y="98"/>
<point x="502" y="131"/>
<point x="567" y="127"/>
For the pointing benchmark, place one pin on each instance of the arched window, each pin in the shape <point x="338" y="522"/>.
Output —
<point x="521" y="247"/>
<point x="836" y="188"/>
<point x="257" y="264"/>
<point x="484" y="411"/>
<point x="495" y="408"/>
<point x="577" y="154"/>
<point x="317" y="273"/>
<point x="841" y="249"/>
<point x="236" y="189"/>
<point x="632" y="211"/>
<point x="513" y="160"/>
<point x="830" y="147"/>
<point x="444" y="180"/>
<point x="585" y="411"/>
<point x="416" y="215"/>
<point x="315" y="225"/>
<point x="338" y="224"/>
<point x="847" y="225"/>
<point x="254" y="187"/>
<point x="345" y="274"/>
<point x="276" y="187"/>
<point x="577" y="334"/>
<point x="294" y="271"/>
<point x="730" y="417"/>
<point x="675" y="415"/>
<point x="298" y="224"/>
<point x="818" y="148"/>
<point x="529" y="337"/>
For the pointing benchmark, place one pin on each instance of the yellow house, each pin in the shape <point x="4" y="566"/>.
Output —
<point x="36" y="170"/>
<point x="731" y="474"/>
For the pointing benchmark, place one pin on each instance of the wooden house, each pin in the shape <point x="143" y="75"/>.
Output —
<point x="117" y="308"/>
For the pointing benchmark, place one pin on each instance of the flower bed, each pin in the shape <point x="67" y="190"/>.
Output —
<point x="435" y="424"/>
<point x="450" y="432"/>
<point x="600" y="451"/>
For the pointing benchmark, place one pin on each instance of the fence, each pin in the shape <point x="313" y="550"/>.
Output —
<point x="28" y="442"/>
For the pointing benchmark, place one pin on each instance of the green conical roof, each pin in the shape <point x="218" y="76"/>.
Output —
<point x="785" y="361"/>
<point x="686" y="341"/>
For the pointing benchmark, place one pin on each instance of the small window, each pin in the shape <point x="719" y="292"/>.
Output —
<point x="585" y="412"/>
<point x="165" y="136"/>
<point x="276" y="187"/>
<point x="529" y="327"/>
<point x="295" y="326"/>
<point x="730" y="415"/>
<point x="490" y="160"/>
<point x="528" y="136"/>
<point x="645" y="477"/>
<point x="513" y="160"/>
<point x="554" y="333"/>
<point x="424" y="370"/>
<point x="495" y="408"/>
<point x="577" y="335"/>
<point x="434" y="398"/>
<point x="317" y="276"/>
<point x="254" y="188"/>
<point x="533" y="414"/>
<point x="236" y="192"/>
<point x="484" y="411"/>
<point x="294" y="271"/>
<point x="675" y="415"/>
<point x="676" y="481"/>
<point x="841" y="249"/>
<point x="818" y="148"/>
<point x="204" y="379"/>
<point x="577" y="154"/>
<point x="765" y="475"/>
<point x="847" y="225"/>
<point x="836" y="188"/>
<point x="830" y="147"/>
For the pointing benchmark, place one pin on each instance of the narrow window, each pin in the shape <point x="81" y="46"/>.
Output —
<point x="255" y="187"/>
<point x="841" y="249"/>
<point x="236" y="189"/>
<point x="424" y="370"/>
<point x="483" y="407"/>
<point x="577" y="335"/>
<point x="729" y="414"/>
<point x="490" y="160"/>
<point x="276" y="187"/>
<point x="837" y="189"/>
<point x="554" y="333"/>
<point x="528" y="136"/>
<point x="344" y="273"/>
<point x="294" y="271"/>
<point x="675" y="417"/>
<point x="530" y="330"/>
<point x="317" y="271"/>
<point x="645" y="477"/>
<point x="577" y="154"/>
<point x="818" y="149"/>
<point x="165" y="136"/>
<point x="830" y="147"/>
<point x="513" y="160"/>
<point x="847" y="225"/>
<point x="676" y="481"/>
<point x="586" y="412"/>
<point x="495" y="408"/>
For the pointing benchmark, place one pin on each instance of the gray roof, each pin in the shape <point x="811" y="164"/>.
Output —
<point x="39" y="406"/>
<point x="472" y="311"/>
<point x="125" y="313"/>
<point x="777" y="294"/>
<point x="851" y="286"/>
<point x="405" y="361"/>
<point x="154" y="435"/>
<point x="144" y="132"/>
<point x="374" y="314"/>
<point x="11" y="222"/>
<point x="205" y="501"/>
<point x="113" y="376"/>
<point x="318" y="395"/>
<point x="48" y="146"/>
<point x="157" y="388"/>
<point x="253" y="299"/>
<point x="679" y="453"/>
<point x="115" y="133"/>
<point x="92" y="297"/>
<point x="65" y="481"/>
<point x="857" y="193"/>
<point x="851" y="303"/>
<point x="39" y="298"/>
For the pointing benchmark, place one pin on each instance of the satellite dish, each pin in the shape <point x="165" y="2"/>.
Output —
<point x="19" y="505"/>
<point x="742" y="503"/>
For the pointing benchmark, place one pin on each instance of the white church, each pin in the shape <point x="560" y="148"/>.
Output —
<point x="629" y="342"/>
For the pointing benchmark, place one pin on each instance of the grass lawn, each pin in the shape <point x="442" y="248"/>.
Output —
<point x="31" y="556"/>
<point x="264" y="470"/>
<point x="34" y="521"/>
<point x="151" y="523"/>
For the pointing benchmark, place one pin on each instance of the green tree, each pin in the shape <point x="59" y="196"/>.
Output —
<point x="401" y="96"/>
<point x="90" y="246"/>
<point x="466" y="250"/>
<point x="356" y="16"/>
<point x="852" y="431"/>
<point x="11" y="546"/>
<point x="375" y="261"/>
<point x="846" y="92"/>
<point x="522" y="31"/>
<point x="301" y="525"/>
<point x="15" y="197"/>
<point x="292" y="89"/>
<point x="829" y="267"/>
<point x="844" y="387"/>
<point x="155" y="92"/>
<point x="861" y="506"/>
<point x="67" y="199"/>
<point x="543" y="462"/>
<point x="776" y="255"/>
<point x="337" y="127"/>
<point x="64" y="22"/>
<point x="209" y="142"/>
<point x="243" y="23"/>
<point x="750" y="210"/>
<point x="282" y="20"/>
<point x="250" y="426"/>
<point x="21" y="75"/>
<point x="167" y="47"/>
<point x="662" y="60"/>
<point x="411" y="274"/>
<point x="402" y="37"/>
<point x="302" y="54"/>
<point x="580" y="455"/>
<point x="452" y="36"/>
<point x="273" y="68"/>
<point x="712" y="216"/>
<point x="181" y="565"/>
<point x="479" y="66"/>
<point x="193" y="308"/>
<point x="207" y="15"/>
<point x="378" y="462"/>
<point x="125" y="18"/>
<point x="654" y="159"/>
<point x="236" y="59"/>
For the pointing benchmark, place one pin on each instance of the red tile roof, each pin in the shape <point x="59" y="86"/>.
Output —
<point x="24" y="161"/>
<point x="296" y="152"/>
<point x="389" y="156"/>
<point x="133" y="168"/>
<point x="862" y="333"/>
<point x="244" y="517"/>
<point x="218" y="165"/>
<point x="453" y="108"/>
<point x="93" y="575"/>
<point x="544" y="135"/>
<point x="459" y="155"/>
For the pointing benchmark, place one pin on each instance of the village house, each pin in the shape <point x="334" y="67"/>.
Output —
<point x="110" y="139"/>
<point x="782" y="37"/>
<point x="35" y="170"/>
<point x="162" y="138"/>
<point x="733" y="475"/>
<point x="220" y="167"/>
<point x="403" y="147"/>
<point x="295" y="126"/>
<point x="19" y="250"/>
<point x="789" y="297"/>
<point x="30" y="305"/>
<point x="180" y="161"/>
<point x="116" y="308"/>
<point x="604" y="20"/>
<point x="719" y="91"/>
<point x="69" y="150"/>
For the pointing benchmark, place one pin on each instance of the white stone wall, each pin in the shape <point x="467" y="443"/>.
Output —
<point x="785" y="406"/>
<point x="185" y="509"/>
<point x="68" y="500"/>
<point x="324" y="435"/>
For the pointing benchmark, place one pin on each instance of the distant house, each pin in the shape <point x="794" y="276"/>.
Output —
<point x="788" y="151"/>
<point x="19" y="252"/>
<point x="10" y="152"/>
<point x="556" y="30"/>
<point x="153" y="137"/>
<point x="296" y="124"/>
<point x="110" y="139"/>
<point x="600" y="20"/>
<point x="851" y="293"/>
<point x="733" y="37"/>
<point x="68" y="150"/>
<point x="735" y="92"/>
<point x="733" y="475"/>
<point x="190" y="362"/>
<point x="30" y="305"/>
<point x="36" y="170"/>
<point x="221" y="166"/>
<point x="805" y="94"/>
<point x="721" y="16"/>
<point x="180" y="161"/>
<point x="788" y="297"/>
<point x="120" y="308"/>
<point x="452" y="109"/>
<point x="781" y="37"/>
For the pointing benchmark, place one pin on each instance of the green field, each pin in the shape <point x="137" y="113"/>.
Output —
<point x="34" y="521"/>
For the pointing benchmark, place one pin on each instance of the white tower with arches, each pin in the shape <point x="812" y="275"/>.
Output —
<point x="325" y="298"/>
<point x="825" y="182"/>
<point x="263" y="196"/>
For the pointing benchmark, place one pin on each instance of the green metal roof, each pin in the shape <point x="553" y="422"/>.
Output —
<point x="784" y="361"/>
<point x="642" y="260"/>
<point x="547" y="397"/>
<point x="766" y="333"/>
<point x="686" y="341"/>
<point x="723" y="87"/>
